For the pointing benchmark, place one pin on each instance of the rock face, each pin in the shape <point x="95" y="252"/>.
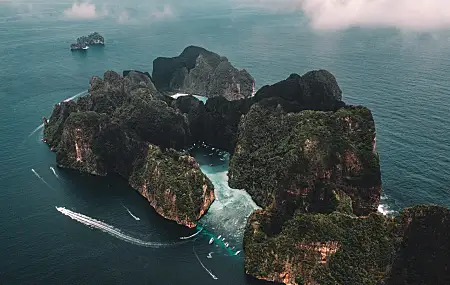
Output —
<point x="199" y="71"/>
<point x="422" y="247"/>
<point x="123" y="127"/>
<point x="315" y="90"/>
<point x="162" y="178"/>
<point x="318" y="248"/>
<point x="305" y="160"/>
<point x="92" y="39"/>
<point x="308" y="159"/>
<point x="338" y="248"/>
<point x="310" y="162"/>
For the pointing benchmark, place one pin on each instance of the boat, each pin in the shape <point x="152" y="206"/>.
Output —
<point x="211" y="240"/>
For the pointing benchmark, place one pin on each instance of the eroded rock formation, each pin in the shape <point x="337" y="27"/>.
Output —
<point x="308" y="159"/>
<point x="201" y="72"/>
<point x="123" y="127"/>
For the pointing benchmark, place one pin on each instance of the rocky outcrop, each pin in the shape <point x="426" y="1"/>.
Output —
<point x="304" y="156"/>
<point x="92" y="39"/>
<point x="422" y="247"/>
<point x="304" y="161"/>
<point x="316" y="175"/>
<point x="76" y="150"/>
<point x="315" y="90"/>
<point x="174" y="185"/>
<point x="199" y="71"/>
<point x="319" y="248"/>
<point x="123" y="127"/>
<point x="338" y="248"/>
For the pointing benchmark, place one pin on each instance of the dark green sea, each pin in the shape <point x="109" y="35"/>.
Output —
<point x="401" y="75"/>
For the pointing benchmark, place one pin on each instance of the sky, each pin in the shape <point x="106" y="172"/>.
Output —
<point x="319" y="14"/>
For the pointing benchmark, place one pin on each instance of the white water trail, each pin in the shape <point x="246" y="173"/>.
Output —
<point x="91" y="222"/>
<point x="75" y="96"/>
<point x="42" y="179"/>
<point x="37" y="129"/>
<point x="191" y="236"/>
<point x="54" y="172"/>
<point x="201" y="263"/>
<point x="129" y="212"/>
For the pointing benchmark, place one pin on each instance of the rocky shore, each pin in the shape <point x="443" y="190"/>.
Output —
<point x="84" y="42"/>
<point x="306" y="158"/>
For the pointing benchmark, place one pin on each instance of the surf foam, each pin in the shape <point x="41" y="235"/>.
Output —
<point x="383" y="207"/>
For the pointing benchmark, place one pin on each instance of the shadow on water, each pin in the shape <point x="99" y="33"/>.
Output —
<point x="93" y="51"/>
<point x="79" y="53"/>
<point x="105" y="197"/>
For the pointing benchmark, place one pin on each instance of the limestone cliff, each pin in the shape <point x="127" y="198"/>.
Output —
<point x="174" y="185"/>
<point x="304" y="156"/>
<point x="325" y="249"/>
<point x="337" y="248"/>
<point x="199" y="71"/>
<point x="305" y="161"/>
<point x="122" y="126"/>
<point x="422" y="245"/>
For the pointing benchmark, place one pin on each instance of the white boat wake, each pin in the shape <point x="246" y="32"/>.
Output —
<point x="191" y="236"/>
<point x="54" y="172"/>
<point x="75" y="96"/>
<point x="204" y="267"/>
<point x="37" y="129"/>
<point x="129" y="212"/>
<point x="65" y="100"/>
<point x="42" y="179"/>
<point x="91" y="222"/>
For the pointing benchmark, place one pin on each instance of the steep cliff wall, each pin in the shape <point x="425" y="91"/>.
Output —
<point x="123" y="127"/>
<point x="173" y="184"/>
<point x="303" y="160"/>
<point x="199" y="71"/>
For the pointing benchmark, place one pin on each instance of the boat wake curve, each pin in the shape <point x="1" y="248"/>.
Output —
<point x="112" y="230"/>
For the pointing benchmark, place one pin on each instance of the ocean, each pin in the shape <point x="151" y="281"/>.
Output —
<point x="95" y="238"/>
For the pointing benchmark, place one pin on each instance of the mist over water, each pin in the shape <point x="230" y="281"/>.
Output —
<point x="399" y="72"/>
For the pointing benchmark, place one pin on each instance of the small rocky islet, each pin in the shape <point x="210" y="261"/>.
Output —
<point x="305" y="157"/>
<point x="83" y="43"/>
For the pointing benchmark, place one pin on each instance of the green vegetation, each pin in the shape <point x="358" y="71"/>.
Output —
<point x="175" y="183"/>
<point x="306" y="157"/>
<point x="359" y="249"/>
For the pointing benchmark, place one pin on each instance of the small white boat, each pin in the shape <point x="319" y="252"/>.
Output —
<point x="211" y="240"/>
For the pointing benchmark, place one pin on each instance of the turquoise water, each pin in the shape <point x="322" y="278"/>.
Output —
<point x="401" y="76"/>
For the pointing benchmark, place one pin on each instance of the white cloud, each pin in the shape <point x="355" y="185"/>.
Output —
<point x="342" y="14"/>
<point x="166" y="12"/>
<point x="123" y="18"/>
<point x="83" y="10"/>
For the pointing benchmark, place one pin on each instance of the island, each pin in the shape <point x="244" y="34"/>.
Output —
<point x="202" y="72"/>
<point x="84" y="42"/>
<point x="307" y="158"/>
